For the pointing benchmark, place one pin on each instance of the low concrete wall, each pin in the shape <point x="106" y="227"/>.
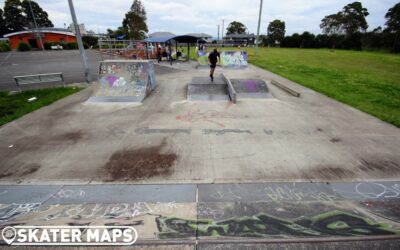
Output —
<point x="229" y="59"/>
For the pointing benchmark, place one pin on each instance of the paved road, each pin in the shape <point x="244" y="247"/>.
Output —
<point x="37" y="62"/>
<point x="68" y="62"/>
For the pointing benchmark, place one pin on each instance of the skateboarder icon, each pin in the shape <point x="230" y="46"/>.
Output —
<point x="213" y="59"/>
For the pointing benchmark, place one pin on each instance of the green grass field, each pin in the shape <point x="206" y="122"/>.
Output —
<point x="17" y="105"/>
<point x="368" y="81"/>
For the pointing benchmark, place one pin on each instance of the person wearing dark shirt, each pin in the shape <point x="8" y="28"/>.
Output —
<point x="213" y="58"/>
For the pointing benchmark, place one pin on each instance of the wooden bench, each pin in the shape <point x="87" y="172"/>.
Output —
<point x="39" y="78"/>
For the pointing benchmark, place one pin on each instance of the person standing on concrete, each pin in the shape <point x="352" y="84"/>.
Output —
<point x="213" y="58"/>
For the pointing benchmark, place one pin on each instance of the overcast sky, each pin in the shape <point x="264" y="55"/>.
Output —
<point x="188" y="16"/>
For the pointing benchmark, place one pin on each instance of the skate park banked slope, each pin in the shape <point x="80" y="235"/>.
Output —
<point x="124" y="81"/>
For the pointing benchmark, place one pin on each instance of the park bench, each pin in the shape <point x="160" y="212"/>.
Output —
<point x="38" y="79"/>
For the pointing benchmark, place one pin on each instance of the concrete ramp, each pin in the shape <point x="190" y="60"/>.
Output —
<point x="124" y="81"/>
<point x="224" y="89"/>
<point x="202" y="89"/>
<point x="250" y="88"/>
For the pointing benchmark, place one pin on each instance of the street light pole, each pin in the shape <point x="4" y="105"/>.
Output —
<point x="222" y="31"/>
<point x="88" y="77"/>
<point x="258" y="29"/>
<point x="218" y="34"/>
<point x="36" y="27"/>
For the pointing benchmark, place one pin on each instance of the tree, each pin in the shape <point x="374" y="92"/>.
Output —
<point x="236" y="28"/>
<point x="13" y="16"/>
<point x="353" y="18"/>
<point x="41" y="16"/>
<point x="276" y="32"/>
<point x="307" y="40"/>
<point x="135" y="21"/>
<point x="119" y="32"/>
<point x="348" y="21"/>
<point x="393" y="25"/>
<point x="3" y="29"/>
<point x="332" y="24"/>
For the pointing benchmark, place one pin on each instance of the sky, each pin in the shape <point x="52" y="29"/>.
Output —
<point x="204" y="16"/>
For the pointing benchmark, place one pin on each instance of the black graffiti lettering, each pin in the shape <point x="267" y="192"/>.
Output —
<point x="333" y="223"/>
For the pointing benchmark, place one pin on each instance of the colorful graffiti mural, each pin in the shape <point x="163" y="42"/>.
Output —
<point x="333" y="223"/>
<point x="234" y="59"/>
<point x="131" y="78"/>
<point x="229" y="59"/>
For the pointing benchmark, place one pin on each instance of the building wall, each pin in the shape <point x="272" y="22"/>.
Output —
<point x="48" y="37"/>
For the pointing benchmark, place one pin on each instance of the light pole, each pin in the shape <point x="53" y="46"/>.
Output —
<point x="36" y="27"/>
<point x="222" y="31"/>
<point x="88" y="77"/>
<point x="218" y="33"/>
<point x="258" y="29"/>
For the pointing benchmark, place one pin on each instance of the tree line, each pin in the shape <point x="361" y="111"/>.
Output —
<point x="17" y="16"/>
<point x="346" y="29"/>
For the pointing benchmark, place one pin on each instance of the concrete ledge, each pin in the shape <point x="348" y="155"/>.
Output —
<point x="285" y="88"/>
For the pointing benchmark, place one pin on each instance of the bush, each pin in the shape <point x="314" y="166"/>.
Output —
<point x="4" y="47"/>
<point x="47" y="46"/>
<point x="23" y="47"/>
<point x="70" y="46"/>
<point x="90" y="40"/>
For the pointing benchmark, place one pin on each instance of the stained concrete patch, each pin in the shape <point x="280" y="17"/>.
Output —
<point x="141" y="163"/>
<point x="146" y="131"/>
<point x="322" y="172"/>
<point x="70" y="136"/>
<point x="335" y="140"/>
<point x="386" y="166"/>
<point x="22" y="171"/>
<point x="225" y="131"/>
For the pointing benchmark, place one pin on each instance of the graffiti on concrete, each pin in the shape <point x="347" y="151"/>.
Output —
<point x="234" y="59"/>
<point x="202" y="57"/>
<point x="368" y="190"/>
<point x="272" y="193"/>
<point x="46" y="213"/>
<point x="229" y="59"/>
<point x="333" y="223"/>
<point x="373" y="190"/>
<point x="126" y="78"/>
<point x="13" y="211"/>
<point x="210" y="116"/>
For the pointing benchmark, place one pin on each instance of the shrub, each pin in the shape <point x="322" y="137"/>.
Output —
<point x="23" y="47"/>
<point x="4" y="47"/>
<point x="71" y="46"/>
<point x="90" y="40"/>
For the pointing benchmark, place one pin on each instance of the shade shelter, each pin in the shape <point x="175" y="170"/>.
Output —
<point x="167" y="40"/>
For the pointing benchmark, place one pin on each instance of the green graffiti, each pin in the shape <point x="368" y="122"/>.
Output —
<point x="333" y="223"/>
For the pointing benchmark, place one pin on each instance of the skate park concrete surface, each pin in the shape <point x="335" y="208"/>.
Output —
<point x="168" y="139"/>
<point x="280" y="172"/>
